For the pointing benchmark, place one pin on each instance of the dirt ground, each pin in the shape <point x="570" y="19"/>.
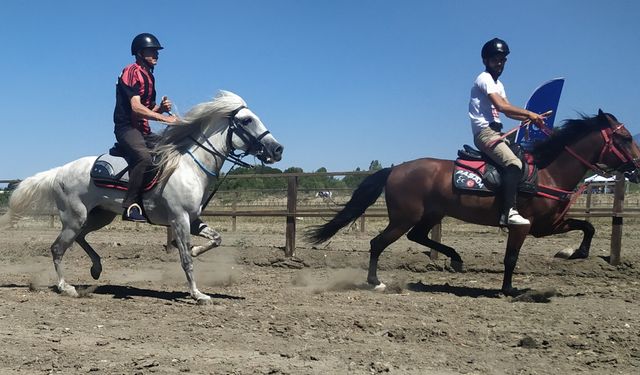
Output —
<point x="313" y="314"/>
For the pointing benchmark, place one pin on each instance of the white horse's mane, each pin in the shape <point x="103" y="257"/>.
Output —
<point x="177" y="139"/>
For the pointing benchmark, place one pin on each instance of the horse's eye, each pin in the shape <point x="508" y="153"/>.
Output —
<point x="246" y="121"/>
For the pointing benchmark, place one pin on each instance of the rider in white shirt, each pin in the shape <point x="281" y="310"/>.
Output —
<point x="488" y="99"/>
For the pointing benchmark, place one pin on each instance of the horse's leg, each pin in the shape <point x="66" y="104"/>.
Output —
<point x="380" y="242"/>
<point x="171" y="242"/>
<point x="199" y="228"/>
<point x="587" y="229"/>
<point x="517" y="235"/>
<point x="72" y="217"/>
<point x="97" y="219"/>
<point x="180" y="226"/>
<point x="420" y="234"/>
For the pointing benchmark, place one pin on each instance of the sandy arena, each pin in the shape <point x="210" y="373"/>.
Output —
<point x="313" y="314"/>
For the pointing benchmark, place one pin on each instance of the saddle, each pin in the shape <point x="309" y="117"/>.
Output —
<point x="476" y="172"/>
<point x="111" y="171"/>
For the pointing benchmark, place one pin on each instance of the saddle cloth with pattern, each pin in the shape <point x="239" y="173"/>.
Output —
<point x="474" y="172"/>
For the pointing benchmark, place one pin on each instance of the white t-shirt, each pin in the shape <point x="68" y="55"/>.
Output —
<point x="481" y="110"/>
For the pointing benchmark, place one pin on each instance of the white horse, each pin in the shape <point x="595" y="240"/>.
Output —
<point x="190" y="156"/>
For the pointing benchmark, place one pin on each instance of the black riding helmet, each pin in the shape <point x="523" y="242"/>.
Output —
<point x="144" y="40"/>
<point x="494" y="47"/>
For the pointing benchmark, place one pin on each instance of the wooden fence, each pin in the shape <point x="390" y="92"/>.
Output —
<point x="290" y="209"/>
<point x="293" y="210"/>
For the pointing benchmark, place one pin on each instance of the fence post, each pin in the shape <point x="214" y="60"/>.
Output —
<point x="292" y="202"/>
<point x="616" y="225"/>
<point x="234" y="206"/>
<point x="362" y="221"/>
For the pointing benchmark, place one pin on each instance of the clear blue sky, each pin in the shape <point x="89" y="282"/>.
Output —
<point x="338" y="82"/>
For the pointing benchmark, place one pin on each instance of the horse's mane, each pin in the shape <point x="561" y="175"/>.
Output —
<point x="177" y="139"/>
<point x="547" y="150"/>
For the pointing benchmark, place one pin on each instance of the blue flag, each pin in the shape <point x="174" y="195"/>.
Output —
<point x="544" y="98"/>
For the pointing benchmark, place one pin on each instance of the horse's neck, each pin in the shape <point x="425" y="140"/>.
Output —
<point x="566" y="171"/>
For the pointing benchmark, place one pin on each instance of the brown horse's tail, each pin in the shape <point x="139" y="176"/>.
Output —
<point x="364" y="196"/>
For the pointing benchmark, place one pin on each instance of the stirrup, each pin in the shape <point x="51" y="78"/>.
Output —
<point x="513" y="218"/>
<point x="134" y="213"/>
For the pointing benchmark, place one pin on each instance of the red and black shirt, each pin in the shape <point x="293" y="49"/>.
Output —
<point x="135" y="80"/>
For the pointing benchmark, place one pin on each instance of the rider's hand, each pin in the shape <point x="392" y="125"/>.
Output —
<point x="536" y="118"/>
<point x="165" y="105"/>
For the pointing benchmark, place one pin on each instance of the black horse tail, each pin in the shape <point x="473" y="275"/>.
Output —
<point x="364" y="196"/>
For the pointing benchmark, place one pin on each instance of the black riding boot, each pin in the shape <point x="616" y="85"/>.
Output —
<point x="510" y="179"/>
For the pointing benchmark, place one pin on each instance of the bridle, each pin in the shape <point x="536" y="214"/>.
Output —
<point x="254" y="145"/>
<point x="608" y="148"/>
<point x="234" y="128"/>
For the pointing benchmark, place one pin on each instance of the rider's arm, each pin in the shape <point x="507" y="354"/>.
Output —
<point x="144" y="112"/>
<point x="511" y="111"/>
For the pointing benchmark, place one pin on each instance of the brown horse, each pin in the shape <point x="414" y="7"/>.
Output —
<point x="420" y="193"/>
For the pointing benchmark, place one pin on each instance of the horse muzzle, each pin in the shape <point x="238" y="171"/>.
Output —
<point x="270" y="153"/>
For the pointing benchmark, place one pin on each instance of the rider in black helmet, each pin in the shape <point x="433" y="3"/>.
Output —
<point x="488" y="99"/>
<point x="135" y="106"/>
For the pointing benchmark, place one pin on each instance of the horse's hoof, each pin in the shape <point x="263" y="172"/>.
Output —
<point x="570" y="254"/>
<point x="217" y="241"/>
<point x="511" y="292"/>
<point x="196" y="250"/>
<point x="565" y="253"/>
<point x="95" y="272"/>
<point x="579" y="254"/>
<point x="68" y="291"/>
<point x="457" y="266"/>
<point x="380" y="288"/>
<point x="204" y="301"/>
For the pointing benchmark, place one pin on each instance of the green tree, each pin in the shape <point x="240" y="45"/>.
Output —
<point x="352" y="181"/>
<point x="375" y="165"/>
<point x="254" y="183"/>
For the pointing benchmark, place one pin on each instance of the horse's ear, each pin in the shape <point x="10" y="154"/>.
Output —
<point x="600" y="113"/>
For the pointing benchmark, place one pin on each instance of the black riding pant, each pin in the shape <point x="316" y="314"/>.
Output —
<point x="133" y="143"/>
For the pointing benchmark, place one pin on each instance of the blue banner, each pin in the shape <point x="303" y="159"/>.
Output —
<point x="544" y="98"/>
